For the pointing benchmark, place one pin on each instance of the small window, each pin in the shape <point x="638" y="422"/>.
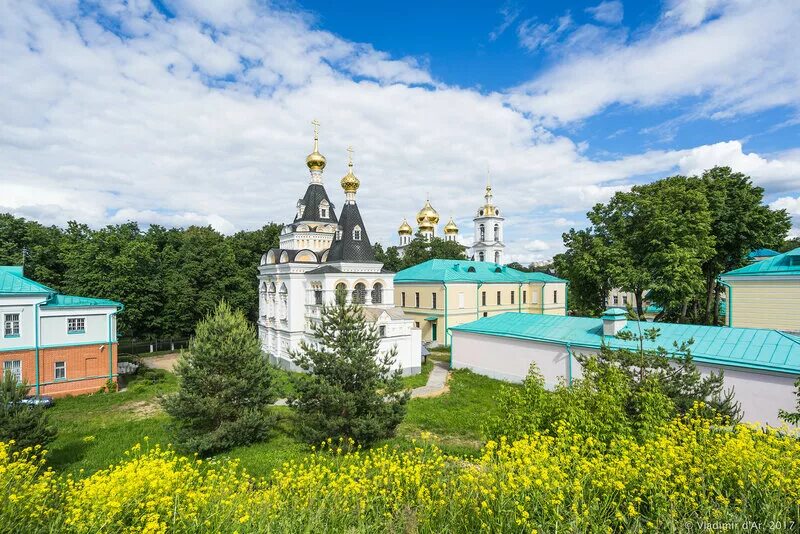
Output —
<point x="318" y="297"/>
<point x="433" y="301"/>
<point x="76" y="325"/>
<point x="416" y="300"/>
<point x="382" y="331"/>
<point x="416" y="324"/>
<point x="512" y="297"/>
<point x="497" y="257"/>
<point x="357" y="233"/>
<point x="555" y="296"/>
<point x="14" y="367"/>
<point x="403" y="299"/>
<point x="625" y="299"/>
<point x="377" y="293"/>
<point x="470" y="269"/>
<point x="61" y="371"/>
<point x="461" y="300"/>
<point x="485" y="314"/>
<point x="498" y="298"/>
<point x="524" y="296"/>
<point x="11" y="328"/>
<point x="483" y="298"/>
<point x="481" y="256"/>
<point x="616" y="299"/>
<point x="323" y="213"/>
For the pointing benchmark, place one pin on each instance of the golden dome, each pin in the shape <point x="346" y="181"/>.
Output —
<point x="349" y="181"/>
<point x="450" y="227"/>
<point x="405" y="228"/>
<point x="315" y="160"/>
<point x="427" y="216"/>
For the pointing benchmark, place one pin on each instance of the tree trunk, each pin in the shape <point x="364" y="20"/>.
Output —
<point x="684" y="309"/>
<point x="639" y="307"/>
<point x="710" y="290"/>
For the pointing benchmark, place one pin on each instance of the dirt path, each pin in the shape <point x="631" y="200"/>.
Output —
<point x="165" y="361"/>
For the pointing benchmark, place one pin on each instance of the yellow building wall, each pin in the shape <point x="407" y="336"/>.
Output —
<point x="465" y="302"/>
<point x="766" y="304"/>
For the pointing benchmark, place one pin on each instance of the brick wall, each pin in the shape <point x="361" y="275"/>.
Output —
<point x="87" y="368"/>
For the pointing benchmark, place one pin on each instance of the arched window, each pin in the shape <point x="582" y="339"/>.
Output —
<point x="497" y="232"/>
<point x="359" y="293"/>
<point x="323" y="209"/>
<point x="357" y="233"/>
<point x="497" y="256"/>
<point x="377" y="293"/>
<point x="483" y="233"/>
<point x="481" y="256"/>
<point x="470" y="269"/>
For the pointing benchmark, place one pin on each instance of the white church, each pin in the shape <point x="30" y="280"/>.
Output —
<point x="487" y="244"/>
<point x="319" y="254"/>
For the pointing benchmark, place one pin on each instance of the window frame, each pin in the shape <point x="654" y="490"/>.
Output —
<point x="15" y="325"/>
<point x="382" y="330"/>
<point x="483" y="298"/>
<point x="512" y="297"/>
<point x="76" y="331"/>
<point x="56" y="367"/>
<point x="615" y="298"/>
<point x="402" y="299"/>
<point x="555" y="296"/>
<point x="16" y="372"/>
<point x="416" y="299"/>
<point x="499" y="299"/>
<point x="433" y="301"/>
<point x="524" y="296"/>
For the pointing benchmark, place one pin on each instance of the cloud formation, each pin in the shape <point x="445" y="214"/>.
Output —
<point x="199" y="114"/>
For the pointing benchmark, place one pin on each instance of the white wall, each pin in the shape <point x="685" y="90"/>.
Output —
<point x="54" y="326"/>
<point x="24" y="306"/>
<point x="760" y="394"/>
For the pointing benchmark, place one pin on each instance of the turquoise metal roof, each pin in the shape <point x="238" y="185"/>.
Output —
<point x="69" y="301"/>
<point x="750" y="348"/>
<point x="12" y="282"/>
<point x="469" y="271"/>
<point x="615" y="314"/>
<point x="786" y="264"/>
<point x="762" y="253"/>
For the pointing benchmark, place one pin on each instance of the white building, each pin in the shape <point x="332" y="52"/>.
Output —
<point x="318" y="255"/>
<point x="760" y="365"/>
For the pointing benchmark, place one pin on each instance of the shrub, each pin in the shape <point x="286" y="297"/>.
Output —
<point x="688" y="473"/>
<point x="224" y="386"/>
<point x="793" y="417"/>
<point x="351" y="390"/>
<point x="24" y="424"/>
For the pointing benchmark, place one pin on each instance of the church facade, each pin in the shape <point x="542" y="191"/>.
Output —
<point x="321" y="253"/>
<point x="487" y="243"/>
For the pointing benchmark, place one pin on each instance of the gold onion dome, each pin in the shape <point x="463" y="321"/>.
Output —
<point x="349" y="181"/>
<point x="315" y="161"/>
<point x="405" y="228"/>
<point x="450" y="227"/>
<point x="427" y="215"/>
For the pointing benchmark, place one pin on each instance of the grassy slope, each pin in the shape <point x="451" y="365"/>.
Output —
<point x="95" y="430"/>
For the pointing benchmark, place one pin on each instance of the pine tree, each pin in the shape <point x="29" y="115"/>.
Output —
<point x="26" y="424"/>
<point x="351" y="391"/>
<point x="224" y="386"/>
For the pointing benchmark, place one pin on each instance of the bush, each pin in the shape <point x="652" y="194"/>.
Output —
<point x="351" y="391"/>
<point x="224" y="386"/>
<point x="24" y="424"/>
<point x="689" y="472"/>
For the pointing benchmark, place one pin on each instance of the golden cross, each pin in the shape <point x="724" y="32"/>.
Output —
<point x="315" y="122"/>
<point x="350" y="155"/>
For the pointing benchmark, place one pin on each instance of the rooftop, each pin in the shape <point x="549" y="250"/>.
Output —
<point x="12" y="282"/>
<point x="786" y="264"/>
<point x="69" y="301"/>
<point x="762" y="253"/>
<point x="752" y="348"/>
<point x="469" y="271"/>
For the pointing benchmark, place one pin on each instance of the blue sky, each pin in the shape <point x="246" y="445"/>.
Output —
<point x="197" y="112"/>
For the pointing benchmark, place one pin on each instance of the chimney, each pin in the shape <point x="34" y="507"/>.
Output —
<point x="614" y="320"/>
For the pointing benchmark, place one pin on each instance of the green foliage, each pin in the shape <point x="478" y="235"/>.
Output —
<point x="351" y="391"/>
<point x="26" y="424"/>
<point x="793" y="417"/>
<point x="224" y="386"/>
<point x="671" y="238"/>
<point x="622" y="393"/>
<point x="418" y="251"/>
<point x="168" y="279"/>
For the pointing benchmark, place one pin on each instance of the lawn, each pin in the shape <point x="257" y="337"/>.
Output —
<point x="95" y="430"/>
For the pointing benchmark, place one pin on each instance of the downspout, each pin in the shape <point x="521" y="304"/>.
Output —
<point x="478" y="300"/>
<point x="36" y="343"/>
<point x="729" y="303"/>
<point x="566" y="298"/>
<point x="542" y="299"/>
<point x="519" y="297"/>
<point x="569" y="364"/>
<point x="444" y="285"/>
<point x="110" y="342"/>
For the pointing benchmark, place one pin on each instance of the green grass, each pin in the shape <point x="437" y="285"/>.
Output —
<point x="95" y="430"/>
<point x="440" y="354"/>
<point x="419" y="379"/>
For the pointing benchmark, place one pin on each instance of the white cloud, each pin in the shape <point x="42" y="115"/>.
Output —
<point x="740" y="61"/>
<point x="510" y="12"/>
<point x="204" y="119"/>
<point x="790" y="204"/>
<point x="609" y="12"/>
<point x="533" y="34"/>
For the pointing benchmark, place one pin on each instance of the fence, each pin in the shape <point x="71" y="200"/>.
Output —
<point x="134" y="347"/>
